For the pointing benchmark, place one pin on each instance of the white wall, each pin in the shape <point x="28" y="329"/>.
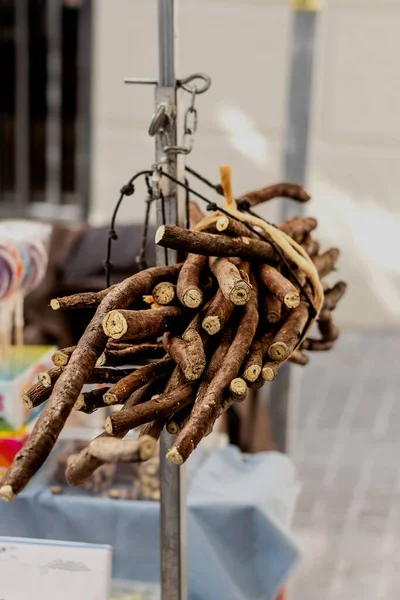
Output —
<point x="244" y="47"/>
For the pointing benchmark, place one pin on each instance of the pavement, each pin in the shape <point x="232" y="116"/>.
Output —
<point x="347" y="452"/>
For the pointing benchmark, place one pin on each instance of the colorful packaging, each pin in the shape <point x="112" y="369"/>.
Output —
<point x="10" y="444"/>
<point x="17" y="373"/>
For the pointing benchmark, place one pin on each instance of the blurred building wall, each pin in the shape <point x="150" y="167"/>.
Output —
<point x="245" y="47"/>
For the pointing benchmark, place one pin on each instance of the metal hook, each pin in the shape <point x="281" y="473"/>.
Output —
<point x="162" y="118"/>
<point x="197" y="90"/>
<point x="158" y="120"/>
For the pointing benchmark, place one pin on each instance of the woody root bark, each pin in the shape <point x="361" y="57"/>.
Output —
<point x="224" y="321"/>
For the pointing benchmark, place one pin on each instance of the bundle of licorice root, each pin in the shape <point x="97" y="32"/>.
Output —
<point x="203" y="331"/>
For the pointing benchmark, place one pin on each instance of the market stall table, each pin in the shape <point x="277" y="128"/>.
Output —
<point x="239" y="510"/>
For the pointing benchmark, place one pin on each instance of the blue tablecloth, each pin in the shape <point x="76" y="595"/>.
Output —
<point x="238" y="512"/>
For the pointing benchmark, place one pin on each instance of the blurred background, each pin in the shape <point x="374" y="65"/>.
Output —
<point x="71" y="134"/>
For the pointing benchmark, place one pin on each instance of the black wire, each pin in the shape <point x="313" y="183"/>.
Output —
<point x="187" y="206"/>
<point x="164" y="218"/>
<point x="127" y="190"/>
<point x="263" y="236"/>
<point x="141" y="260"/>
<point x="216" y="187"/>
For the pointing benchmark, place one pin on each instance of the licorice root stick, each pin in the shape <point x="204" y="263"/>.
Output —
<point x="205" y="409"/>
<point x="325" y="263"/>
<point x="298" y="227"/>
<point x="333" y="295"/>
<point x="289" y="335"/>
<point x="230" y="281"/>
<point x="120" y="392"/>
<point x="89" y="402"/>
<point x="61" y="357"/>
<point x="67" y="389"/>
<point x="273" y="308"/>
<point x="189" y="356"/>
<point x="155" y="427"/>
<point x="299" y="358"/>
<point x="48" y="378"/>
<point x="254" y="361"/>
<point x="212" y="244"/>
<point x="188" y="286"/>
<point x="133" y="353"/>
<point x="163" y="406"/>
<point x="278" y="285"/>
<point x="110" y="450"/>
<point x="140" y="324"/>
<point x="217" y="314"/>
<point x="36" y="395"/>
<point x="83" y="465"/>
<point x="279" y="190"/>
<point x="77" y="301"/>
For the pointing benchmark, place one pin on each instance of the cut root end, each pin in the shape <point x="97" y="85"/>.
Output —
<point x="54" y="304"/>
<point x="108" y="426"/>
<point x="27" y="402"/>
<point x="115" y="325"/>
<point x="240" y="294"/>
<point x="211" y="324"/>
<point x="7" y="494"/>
<point x="147" y="447"/>
<point x="292" y="299"/>
<point x="80" y="403"/>
<point x="174" y="457"/>
<point x="193" y="298"/>
<point x="164" y="293"/>
<point x="60" y="359"/>
<point x="252" y="373"/>
<point x="44" y="379"/>
<point x="238" y="387"/>
<point x="269" y="373"/>
<point x="160" y="234"/>
<point x="195" y="371"/>
<point x="110" y="398"/>
<point x="278" y="351"/>
<point x="173" y="428"/>
<point x="222" y="223"/>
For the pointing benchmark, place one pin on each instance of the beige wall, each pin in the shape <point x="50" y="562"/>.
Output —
<point x="244" y="46"/>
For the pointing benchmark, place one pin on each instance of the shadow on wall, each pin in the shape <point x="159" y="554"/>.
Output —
<point x="369" y="238"/>
<point x="244" y="136"/>
<point x="367" y="234"/>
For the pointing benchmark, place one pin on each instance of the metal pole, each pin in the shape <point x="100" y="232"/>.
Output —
<point x="285" y="390"/>
<point x="83" y="121"/>
<point x="22" y="162"/>
<point x="53" y="93"/>
<point x="173" y="498"/>
<point x="296" y="145"/>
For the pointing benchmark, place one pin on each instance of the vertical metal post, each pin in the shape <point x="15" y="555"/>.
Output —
<point x="22" y="171"/>
<point x="166" y="93"/>
<point x="173" y="500"/>
<point x="53" y="95"/>
<point x="285" y="390"/>
<point x="83" y="128"/>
